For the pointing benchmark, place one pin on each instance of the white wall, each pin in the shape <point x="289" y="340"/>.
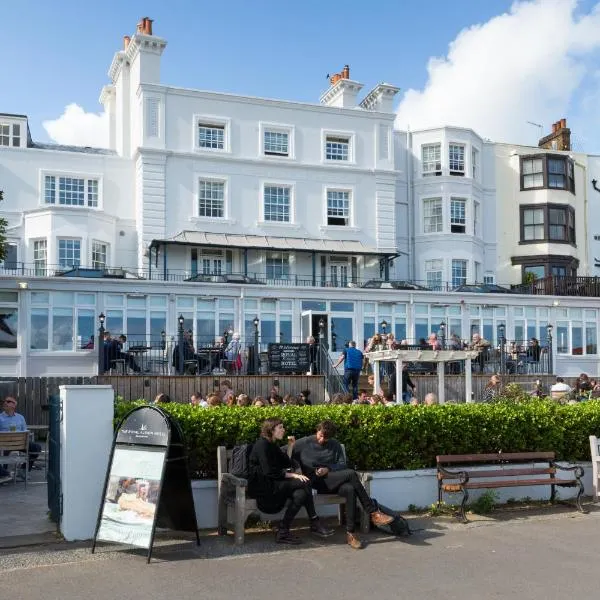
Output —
<point x="22" y="173"/>
<point x="86" y="436"/>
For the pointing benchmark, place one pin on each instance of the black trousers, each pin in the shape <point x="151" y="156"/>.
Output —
<point x="298" y="494"/>
<point x="346" y="484"/>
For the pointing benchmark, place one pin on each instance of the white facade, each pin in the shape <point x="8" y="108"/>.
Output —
<point x="303" y="203"/>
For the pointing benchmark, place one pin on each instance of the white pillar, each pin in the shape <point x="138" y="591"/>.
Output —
<point x="468" y="380"/>
<point x="398" y="390"/>
<point x="376" y="381"/>
<point x="441" y="388"/>
<point x="86" y="434"/>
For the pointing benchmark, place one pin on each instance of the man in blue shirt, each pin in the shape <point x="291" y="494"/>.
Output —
<point x="352" y="358"/>
<point x="10" y="420"/>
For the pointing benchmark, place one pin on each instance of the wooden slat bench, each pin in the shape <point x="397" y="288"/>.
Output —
<point x="233" y="501"/>
<point x="513" y="469"/>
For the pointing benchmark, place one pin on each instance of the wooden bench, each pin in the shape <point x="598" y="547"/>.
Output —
<point x="233" y="501"/>
<point x="595" y="452"/>
<point x="514" y="469"/>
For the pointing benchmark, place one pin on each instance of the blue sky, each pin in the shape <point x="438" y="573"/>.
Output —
<point x="284" y="50"/>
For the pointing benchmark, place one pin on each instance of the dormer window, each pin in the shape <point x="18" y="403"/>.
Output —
<point x="10" y="134"/>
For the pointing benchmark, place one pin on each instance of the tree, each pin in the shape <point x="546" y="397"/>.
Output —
<point x="3" y="226"/>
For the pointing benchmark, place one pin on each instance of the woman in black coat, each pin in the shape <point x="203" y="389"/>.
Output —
<point x="275" y="485"/>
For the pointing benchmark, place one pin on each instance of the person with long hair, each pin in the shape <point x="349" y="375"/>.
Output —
<point x="275" y="485"/>
<point x="492" y="389"/>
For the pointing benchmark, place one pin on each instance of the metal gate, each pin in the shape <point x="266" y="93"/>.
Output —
<point x="53" y="476"/>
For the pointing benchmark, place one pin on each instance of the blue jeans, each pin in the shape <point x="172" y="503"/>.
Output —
<point x="351" y="376"/>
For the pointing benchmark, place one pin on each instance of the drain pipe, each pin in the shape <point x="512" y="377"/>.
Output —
<point x="409" y="203"/>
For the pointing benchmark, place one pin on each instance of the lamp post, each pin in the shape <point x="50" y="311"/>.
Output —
<point x="443" y="334"/>
<point x="100" y="344"/>
<point x="321" y="347"/>
<point x="163" y="340"/>
<point x="501" y="332"/>
<point x="255" y="322"/>
<point x="549" y="329"/>
<point x="384" y="325"/>
<point x="180" y="353"/>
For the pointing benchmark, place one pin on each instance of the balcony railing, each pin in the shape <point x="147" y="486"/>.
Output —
<point x="548" y="286"/>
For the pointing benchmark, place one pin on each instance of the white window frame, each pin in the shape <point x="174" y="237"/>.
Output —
<point x="465" y="203"/>
<point x="292" y="207"/>
<point x="68" y="239"/>
<point x="350" y="193"/>
<point x="277" y="128"/>
<point x="12" y="305"/>
<point x="219" y="121"/>
<point x="87" y="177"/>
<point x="43" y="267"/>
<point x="325" y="133"/>
<point x="457" y="172"/>
<point x="212" y="179"/>
<point x="283" y="257"/>
<point x="436" y="171"/>
<point x="489" y="278"/>
<point x="437" y="268"/>
<point x="106" y="252"/>
<point x="16" y="243"/>
<point x="5" y="135"/>
<point x="466" y="277"/>
<point x="428" y="200"/>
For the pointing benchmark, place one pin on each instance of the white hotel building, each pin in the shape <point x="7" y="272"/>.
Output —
<point x="223" y="208"/>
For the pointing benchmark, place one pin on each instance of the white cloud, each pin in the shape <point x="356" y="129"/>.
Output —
<point x="524" y="65"/>
<point x="76" y="127"/>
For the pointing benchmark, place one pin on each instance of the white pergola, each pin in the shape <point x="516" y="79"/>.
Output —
<point x="440" y="357"/>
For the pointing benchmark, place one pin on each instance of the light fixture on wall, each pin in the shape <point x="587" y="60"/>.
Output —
<point x="23" y="285"/>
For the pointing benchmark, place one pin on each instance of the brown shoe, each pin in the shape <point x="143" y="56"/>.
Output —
<point x="378" y="518"/>
<point x="353" y="541"/>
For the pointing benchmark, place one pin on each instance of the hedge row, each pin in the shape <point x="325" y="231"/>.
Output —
<point x="403" y="437"/>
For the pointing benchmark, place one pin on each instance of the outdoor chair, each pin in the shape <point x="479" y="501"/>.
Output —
<point x="14" y="450"/>
<point x="117" y="366"/>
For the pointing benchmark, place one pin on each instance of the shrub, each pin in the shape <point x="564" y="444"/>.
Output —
<point x="402" y="437"/>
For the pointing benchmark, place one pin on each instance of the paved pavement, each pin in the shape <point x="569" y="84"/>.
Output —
<point x="548" y="553"/>
<point x="24" y="512"/>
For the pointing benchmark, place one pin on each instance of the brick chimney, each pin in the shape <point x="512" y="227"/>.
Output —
<point x="343" y="91"/>
<point x="559" y="139"/>
<point x="145" y="26"/>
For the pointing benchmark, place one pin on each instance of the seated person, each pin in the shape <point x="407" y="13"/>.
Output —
<point x="560" y="389"/>
<point x="10" y="420"/>
<point x="126" y="356"/>
<point x="583" y="387"/>
<point x="322" y="460"/>
<point x="274" y="484"/>
<point x="482" y="346"/>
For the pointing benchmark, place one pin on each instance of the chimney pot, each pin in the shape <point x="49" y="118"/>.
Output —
<point x="147" y="25"/>
<point x="126" y="40"/>
<point x="140" y="27"/>
<point x="554" y="127"/>
<point x="563" y="123"/>
<point x="346" y="72"/>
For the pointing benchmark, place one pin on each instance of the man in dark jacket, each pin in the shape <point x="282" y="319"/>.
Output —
<point x="406" y="383"/>
<point x="322" y="460"/>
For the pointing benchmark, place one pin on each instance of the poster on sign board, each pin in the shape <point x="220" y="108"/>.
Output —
<point x="131" y="498"/>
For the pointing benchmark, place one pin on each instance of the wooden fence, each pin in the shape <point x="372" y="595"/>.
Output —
<point x="32" y="392"/>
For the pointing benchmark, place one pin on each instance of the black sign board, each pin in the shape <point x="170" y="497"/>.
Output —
<point x="147" y="481"/>
<point x="289" y="358"/>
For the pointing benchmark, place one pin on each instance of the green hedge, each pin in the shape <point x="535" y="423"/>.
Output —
<point x="403" y="437"/>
